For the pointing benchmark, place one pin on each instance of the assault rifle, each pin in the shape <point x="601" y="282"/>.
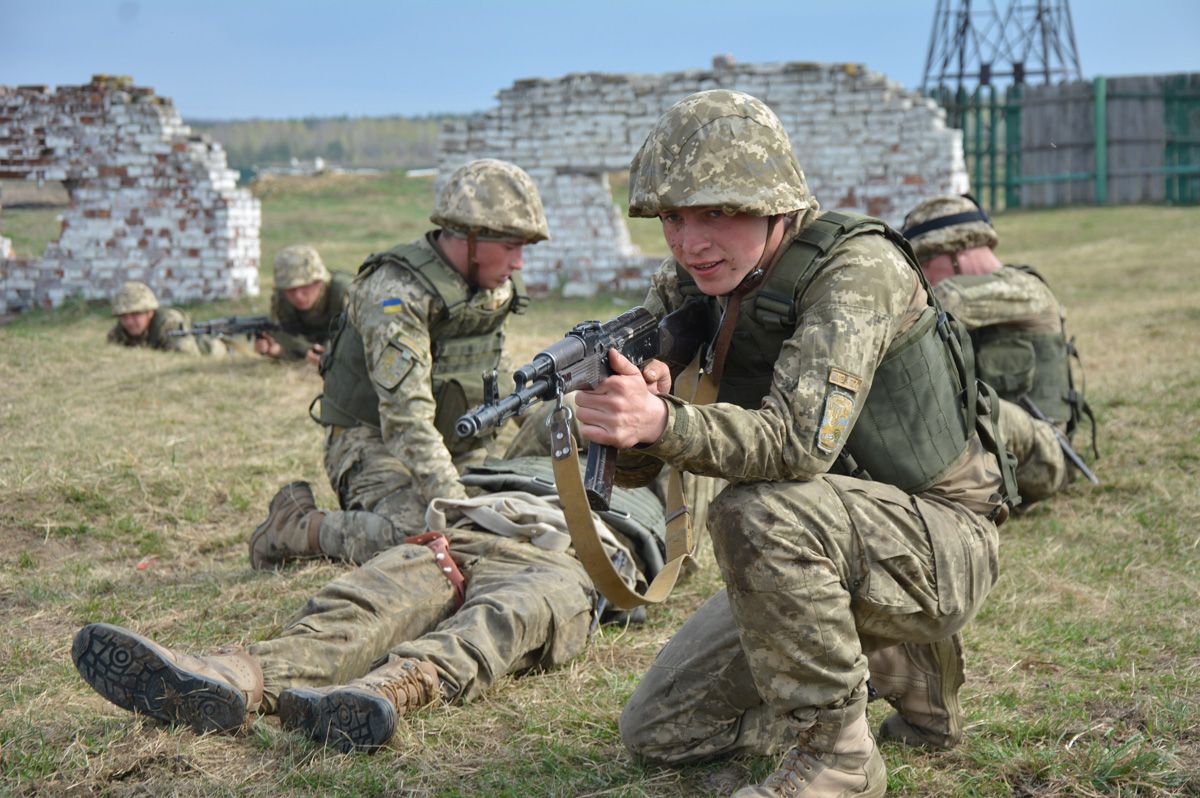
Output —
<point x="233" y="325"/>
<point x="580" y="361"/>
<point x="1070" y="452"/>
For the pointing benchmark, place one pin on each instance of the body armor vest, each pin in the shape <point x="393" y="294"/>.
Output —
<point x="1017" y="362"/>
<point x="921" y="408"/>
<point x="465" y="342"/>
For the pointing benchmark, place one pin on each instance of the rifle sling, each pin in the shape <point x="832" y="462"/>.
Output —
<point x="569" y="480"/>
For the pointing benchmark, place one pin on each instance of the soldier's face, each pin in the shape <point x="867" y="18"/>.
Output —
<point x="136" y="324"/>
<point x="717" y="250"/>
<point x="497" y="260"/>
<point x="303" y="297"/>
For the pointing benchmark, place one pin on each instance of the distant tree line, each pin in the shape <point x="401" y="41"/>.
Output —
<point x="390" y="142"/>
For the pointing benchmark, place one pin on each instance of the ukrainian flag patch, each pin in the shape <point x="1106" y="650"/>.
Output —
<point x="392" y="305"/>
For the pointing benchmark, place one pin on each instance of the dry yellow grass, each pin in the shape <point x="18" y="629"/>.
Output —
<point x="1084" y="668"/>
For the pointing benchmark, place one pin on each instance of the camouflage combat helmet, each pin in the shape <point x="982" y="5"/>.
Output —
<point x="491" y="199"/>
<point x="720" y="149"/>
<point x="299" y="265"/>
<point x="946" y="225"/>
<point x="134" y="297"/>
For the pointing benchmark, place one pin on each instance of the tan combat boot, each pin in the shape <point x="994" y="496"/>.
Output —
<point x="835" y="757"/>
<point x="211" y="693"/>
<point x="291" y="531"/>
<point x="361" y="715"/>
<point x="921" y="681"/>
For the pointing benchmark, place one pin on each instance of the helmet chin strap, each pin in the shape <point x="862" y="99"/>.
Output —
<point x="756" y="275"/>
<point x="472" y="263"/>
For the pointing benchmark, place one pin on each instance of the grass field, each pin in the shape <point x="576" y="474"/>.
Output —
<point x="129" y="482"/>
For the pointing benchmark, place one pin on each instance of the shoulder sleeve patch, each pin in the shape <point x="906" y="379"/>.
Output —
<point x="392" y="305"/>
<point x="839" y="406"/>
<point x="393" y="366"/>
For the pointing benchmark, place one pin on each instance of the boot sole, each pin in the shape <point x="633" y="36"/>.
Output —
<point x="128" y="671"/>
<point x="352" y="720"/>
<point x="298" y="708"/>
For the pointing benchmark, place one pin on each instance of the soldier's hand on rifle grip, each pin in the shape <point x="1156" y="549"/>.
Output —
<point x="264" y="344"/>
<point x="624" y="410"/>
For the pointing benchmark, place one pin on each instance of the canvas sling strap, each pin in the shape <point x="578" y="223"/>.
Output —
<point x="569" y="480"/>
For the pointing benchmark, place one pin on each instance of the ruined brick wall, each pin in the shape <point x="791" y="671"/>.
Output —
<point x="866" y="144"/>
<point x="149" y="201"/>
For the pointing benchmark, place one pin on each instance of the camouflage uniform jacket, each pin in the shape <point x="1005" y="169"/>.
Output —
<point x="156" y="336"/>
<point x="861" y="298"/>
<point x="312" y="325"/>
<point x="1007" y="296"/>
<point x="393" y="311"/>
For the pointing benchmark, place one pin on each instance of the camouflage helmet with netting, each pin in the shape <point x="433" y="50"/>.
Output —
<point x="946" y="225"/>
<point x="719" y="149"/>
<point x="299" y="265"/>
<point x="133" y="297"/>
<point x="491" y="199"/>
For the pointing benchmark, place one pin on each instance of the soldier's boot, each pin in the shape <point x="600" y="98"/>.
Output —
<point x="291" y="531"/>
<point x="210" y="693"/>
<point x="835" y="757"/>
<point x="361" y="715"/>
<point x="922" y="682"/>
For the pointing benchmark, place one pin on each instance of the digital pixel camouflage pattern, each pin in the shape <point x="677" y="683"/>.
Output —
<point x="299" y="265"/>
<point x="133" y="297"/>
<point x="818" y="568"/>
<point x="951" y="239"/>
<point x="491" y="199"/>
<point x="397" y="470"/>
<point x="157" y="335"/>
<point x="313" y="325"/>
<point x="528" y="603"/>
<point x="754" y="172"/>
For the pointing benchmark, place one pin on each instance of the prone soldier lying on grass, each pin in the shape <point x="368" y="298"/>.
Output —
<point x="439" y="618"/>
<point x="141" y="322"/>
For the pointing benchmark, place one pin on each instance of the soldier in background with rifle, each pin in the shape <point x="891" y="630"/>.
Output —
<point x="305" y="304"/>
<point x="424" y="321"/>
<point x="141" y="322"/>
<point x="1018" y="331"/>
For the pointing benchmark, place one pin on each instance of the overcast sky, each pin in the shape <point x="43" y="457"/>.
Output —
<point x="228" y="59"/>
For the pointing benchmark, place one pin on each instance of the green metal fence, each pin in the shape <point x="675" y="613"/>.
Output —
<point x="991" y="123"/>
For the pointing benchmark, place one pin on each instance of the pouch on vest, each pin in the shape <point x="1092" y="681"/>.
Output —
<point x="1009" y="366"/>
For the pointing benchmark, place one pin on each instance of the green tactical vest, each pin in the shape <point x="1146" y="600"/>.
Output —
<point x="465" y="340"/>
<point x="634" y="513"/>
<point x="921" y="408"/>
<point x="1017" y="362"/>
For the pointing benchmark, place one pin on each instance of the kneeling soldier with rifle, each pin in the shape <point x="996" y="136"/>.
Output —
<point x="424" y="321"/>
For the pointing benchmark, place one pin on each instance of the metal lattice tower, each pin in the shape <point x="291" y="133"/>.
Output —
<point x="975" y="44"/>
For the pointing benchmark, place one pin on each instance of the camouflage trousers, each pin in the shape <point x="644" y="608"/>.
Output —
<point x="380" y="502"/>
<point x="524" y="608"/>
<point x="818" y="574"/>
<point x="1041" y="464"/>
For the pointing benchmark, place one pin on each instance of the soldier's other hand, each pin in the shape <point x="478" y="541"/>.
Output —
<point x="313" y="355"/>
<point x="623" y="410"/>
<point x="658" y="376"/>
